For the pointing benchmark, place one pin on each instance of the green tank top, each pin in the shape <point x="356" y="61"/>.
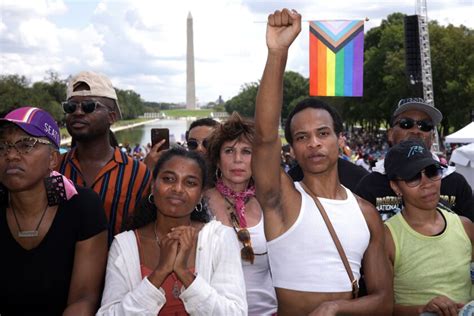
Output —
<point x="429" y="266"/>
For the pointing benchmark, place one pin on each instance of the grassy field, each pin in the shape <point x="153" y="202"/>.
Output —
<point x="128" y="122"/>
<point x="187" y="113"/>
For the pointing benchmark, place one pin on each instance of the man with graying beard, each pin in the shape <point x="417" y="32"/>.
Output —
<point x="414" y="119"/>
<point x="121" y="181"/>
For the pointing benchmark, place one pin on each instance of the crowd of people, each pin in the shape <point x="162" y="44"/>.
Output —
<point x="231" y="223"/>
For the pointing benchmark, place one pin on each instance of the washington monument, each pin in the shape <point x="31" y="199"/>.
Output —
<point x="190" y="83"/>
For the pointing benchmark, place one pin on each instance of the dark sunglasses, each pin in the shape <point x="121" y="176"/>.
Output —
<point x="408" y="123"/>
<point x="193" y="144"/>
<point x="433" y="173"/>
<point x="246" y="253"/>
<point x="87" y="106"/>
<point x="243" y="235"/>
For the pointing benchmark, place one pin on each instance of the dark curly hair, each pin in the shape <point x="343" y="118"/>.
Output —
<point x="313" y="104"/>
<point x="146" y="211"/>
<point x="235" y="128"/>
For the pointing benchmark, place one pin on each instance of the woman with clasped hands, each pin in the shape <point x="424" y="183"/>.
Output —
<point x="172" y="262"/>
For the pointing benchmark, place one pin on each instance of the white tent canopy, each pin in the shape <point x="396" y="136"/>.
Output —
<point x="464" y="135"/>
<point x="463" y="157"/>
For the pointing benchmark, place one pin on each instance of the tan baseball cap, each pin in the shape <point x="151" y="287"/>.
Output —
<point x="99" y="86"/>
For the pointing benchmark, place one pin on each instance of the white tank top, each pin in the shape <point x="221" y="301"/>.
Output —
<point x="261" y="297"/>
<point x="305" y="257"/>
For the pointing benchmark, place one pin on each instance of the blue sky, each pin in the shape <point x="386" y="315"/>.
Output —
<point x="141" y="44"/>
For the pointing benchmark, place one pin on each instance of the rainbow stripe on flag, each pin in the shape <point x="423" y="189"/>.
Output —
<point x="336" y="58"/>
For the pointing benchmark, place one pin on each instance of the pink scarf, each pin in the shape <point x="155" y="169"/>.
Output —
<point x="239" y="199"/>
<point x="68" y="185"/>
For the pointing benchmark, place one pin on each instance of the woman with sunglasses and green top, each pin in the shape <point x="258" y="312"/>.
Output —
<point x="53" y="235"/>
<point x="430" y="247"/>
<point x="232" y="201"/>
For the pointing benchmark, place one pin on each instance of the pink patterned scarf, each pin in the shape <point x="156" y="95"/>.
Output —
<point x="68" y="185"/>
<point x="240" y="198"/>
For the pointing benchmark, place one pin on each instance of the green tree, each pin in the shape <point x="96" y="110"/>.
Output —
<point x="41" y="98"/>
<point x="14" y="92"/>
<point x="244" y="102"/>
<point x="295" y="86"/>
<point x="452" y="59"/>
<point x="130" y="103"/>
<point x="385" y="81"/>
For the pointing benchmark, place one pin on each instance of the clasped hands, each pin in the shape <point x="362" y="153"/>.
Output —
<point x="175" y="250"/>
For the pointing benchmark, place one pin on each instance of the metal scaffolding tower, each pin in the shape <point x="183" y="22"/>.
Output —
<point x="425" y="55"/>
<point x="427" y="79"/>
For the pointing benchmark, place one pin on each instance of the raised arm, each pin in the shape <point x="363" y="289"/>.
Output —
<point x="282" y="29"/>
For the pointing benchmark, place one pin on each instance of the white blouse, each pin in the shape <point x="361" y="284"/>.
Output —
<point x="218" y="288"/>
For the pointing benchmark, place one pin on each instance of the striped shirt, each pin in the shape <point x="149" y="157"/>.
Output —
<point x="121" y="184"/>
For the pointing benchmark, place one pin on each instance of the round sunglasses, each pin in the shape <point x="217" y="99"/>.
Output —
<point x="408" y="123"/>
<point x="193" y="144"/>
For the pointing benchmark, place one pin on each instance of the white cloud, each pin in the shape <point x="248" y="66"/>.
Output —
<point x="39" y="34"/>
<point x="101" y="7"/>
<point x="3" y="27"/>
<point x="141" y="44"/>
<point x="34" y="7"/>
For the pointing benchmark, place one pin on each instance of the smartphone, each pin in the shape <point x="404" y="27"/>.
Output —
<point x="158" y="134"/>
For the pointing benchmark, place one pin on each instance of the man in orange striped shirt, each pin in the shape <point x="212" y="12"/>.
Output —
<point x="121" y="181"/>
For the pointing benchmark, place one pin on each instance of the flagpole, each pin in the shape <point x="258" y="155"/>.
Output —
<point x="366" y="19"/>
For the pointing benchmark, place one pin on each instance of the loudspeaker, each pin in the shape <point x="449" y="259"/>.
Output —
<point x="412" y="49"/>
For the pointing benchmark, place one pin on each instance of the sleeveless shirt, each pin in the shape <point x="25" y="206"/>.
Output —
<point x="261" y="296"/>
<point x="305" y="258"/>
<point x="429" y="266"/>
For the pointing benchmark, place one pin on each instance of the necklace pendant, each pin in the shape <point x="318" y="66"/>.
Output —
<point x="176" y="291"/>
<point x="28" y="233"/>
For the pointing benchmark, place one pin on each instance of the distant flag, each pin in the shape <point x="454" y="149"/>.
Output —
<point x="336" y="50"/>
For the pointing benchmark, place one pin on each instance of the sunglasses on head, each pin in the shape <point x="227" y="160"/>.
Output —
<point x="87" y="106"/>
<point x="408" y="123"/>
<point x="193" y="144"/>
<point x="433" y="173"/>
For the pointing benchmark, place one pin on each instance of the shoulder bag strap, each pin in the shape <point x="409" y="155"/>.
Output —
<point x="332" y="232"/>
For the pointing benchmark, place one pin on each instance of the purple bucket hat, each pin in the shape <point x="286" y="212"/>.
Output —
<point x="35" y="122"/>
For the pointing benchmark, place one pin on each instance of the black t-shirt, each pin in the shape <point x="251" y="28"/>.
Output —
<point x="349" y="173"/>
<point x="455" y="194"/>
<point x="36" y="281"/>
